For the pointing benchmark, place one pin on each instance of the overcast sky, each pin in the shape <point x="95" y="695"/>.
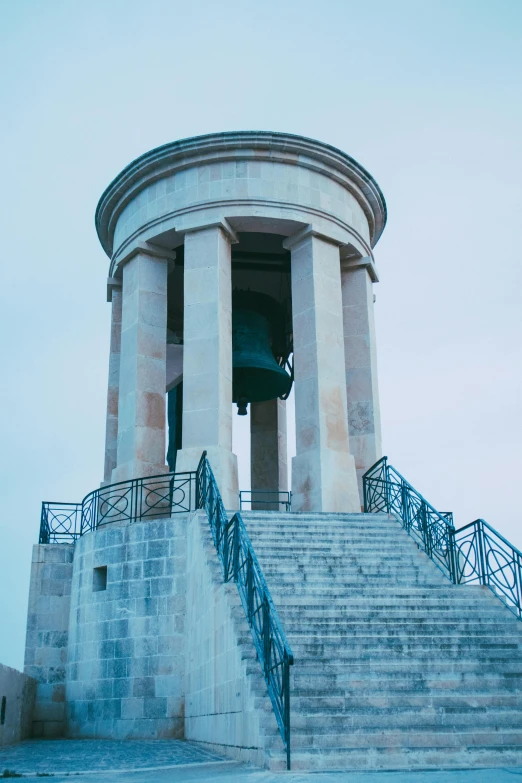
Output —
<point x="426" y="94"/>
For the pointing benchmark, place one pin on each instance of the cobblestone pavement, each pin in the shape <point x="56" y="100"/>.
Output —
<point x="73" y="756"/>
<point x="172" y="761"/>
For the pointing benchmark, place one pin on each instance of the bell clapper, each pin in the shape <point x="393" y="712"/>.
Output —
<point x="242" y="404"/>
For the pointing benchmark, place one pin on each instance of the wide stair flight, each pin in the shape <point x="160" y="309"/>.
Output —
<point x="395" y="667"/>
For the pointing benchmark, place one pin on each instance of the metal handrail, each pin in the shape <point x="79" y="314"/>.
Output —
<point x="270" y="498"/>
<point x="475" y="553"/>
<point x="241" y="565"/>
<point x="152" y="497"/>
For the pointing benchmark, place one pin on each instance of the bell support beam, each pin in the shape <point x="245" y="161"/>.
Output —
<point x="323" y="470"/>
<point x="207" y="357"/>
<point x="360" y="355"/>
<point x="113" y="386"/>
<point x="141" y="402"/>
<point x="268" y="449"/>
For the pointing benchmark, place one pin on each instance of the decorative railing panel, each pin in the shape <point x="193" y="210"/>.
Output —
<point x="153" y="497"/>
<point x="264" y="500"/>
<point x="485" y="557"/>
<point x="473" y="554"/>
<point x="240" y="564"/>
<point x="60" y="522"/>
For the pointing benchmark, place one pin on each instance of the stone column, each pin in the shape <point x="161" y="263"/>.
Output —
<point x="268" y="450"/>
<point x="323" y="470"/>
<point x="113" y="387"/>
<point x="141" y="405"/>
<point x="360" y="352"/>
<point x="207" y="358"/>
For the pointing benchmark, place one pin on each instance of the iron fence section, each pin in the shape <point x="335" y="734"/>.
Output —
<point x="153" y="497"/>
<point x="267" y="499"/>
<point x="473" y="554"/>
<point x="485" y="557"/>
<point x="241" y="565"/>
<point x="60" y="522"/>
<point x="386" y="490"/>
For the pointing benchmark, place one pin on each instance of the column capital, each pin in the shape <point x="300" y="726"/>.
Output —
<point x="148" y="249"/>
<point x="223" y="224"/>
<point x="351" y="264"/>
<point x="113" y="283"/>
<point x="309" y="232"/>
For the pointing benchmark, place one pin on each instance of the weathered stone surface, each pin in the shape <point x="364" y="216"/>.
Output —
<point x="113" y="387"/>
<point x="323" y="470"/>
<point x="207" y="359"/>
<point x="142" y="369"/>
<point x="268" y="448"/>
<point x="360" y="352"/>
<point x="17" y="696"/>
<point x="125" y="669"/>
<point x="225" y="691"/>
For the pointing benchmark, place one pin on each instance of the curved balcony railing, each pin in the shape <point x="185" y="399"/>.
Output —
<point x="153" y="497"/>
<point x="241" y="565"/>
<point x="473" y="554"/>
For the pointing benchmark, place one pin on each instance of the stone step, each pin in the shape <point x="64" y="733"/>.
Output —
<point x="345" y="614"/>
<point x="418" y="670"/>
<point x="409" y="737"/>
<point x="439" y="610"/>
<point x="373" y="682"/>
<point x="406" y="719"/>
<point x="416" y="655"/>
<point x="337" y="603"/>
<point x="407" y="758"/>
<point x="406" y="631"/>
<point x="377" y="650"/>
<point x="362" y="703"/>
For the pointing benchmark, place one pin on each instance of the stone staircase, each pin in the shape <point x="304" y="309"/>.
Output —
<point x="395" y="667"/>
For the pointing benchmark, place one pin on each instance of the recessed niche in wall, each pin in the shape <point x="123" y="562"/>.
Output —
<point x="99" y="579"/>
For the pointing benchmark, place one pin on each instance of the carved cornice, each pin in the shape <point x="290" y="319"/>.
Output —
<point x="241" y="145"/>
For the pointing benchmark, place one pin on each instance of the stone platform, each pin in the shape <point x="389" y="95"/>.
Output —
<point x="175" y="761"/>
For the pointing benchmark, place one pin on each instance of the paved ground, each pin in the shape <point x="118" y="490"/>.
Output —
<point x="171" y="761"/>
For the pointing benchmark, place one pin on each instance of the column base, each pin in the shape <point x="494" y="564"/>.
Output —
<point x="224" y="466"/>
<point x="325" y="480"/>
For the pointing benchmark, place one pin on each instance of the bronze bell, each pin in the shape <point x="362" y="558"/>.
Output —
<point x="257" y="376"/>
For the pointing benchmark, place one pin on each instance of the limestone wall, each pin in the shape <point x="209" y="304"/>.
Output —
<point x="126" y="650"/>
<point x="47" y="634"/>
<point x="17" y="694"/>
<point x="220" y="700"/>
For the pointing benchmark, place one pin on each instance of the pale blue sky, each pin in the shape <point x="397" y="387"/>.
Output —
<point x="426" y="94"/>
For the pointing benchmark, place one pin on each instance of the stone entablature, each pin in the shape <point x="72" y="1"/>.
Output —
<point x="204" y="180"/>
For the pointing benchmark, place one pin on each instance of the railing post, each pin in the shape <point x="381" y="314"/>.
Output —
<point x="250" y="588"/>
<point x="266" y="637"/>
<point x="405" y="506"/>
<point x="286" y="703"/>
<point x="226" y="564"/>
<point x="386" y="473"/>
<point x="452" y="555"/>
<point x="516" y="563"/>
<point x="235" y="548"/>
<point x="425" y="529"/>
<point x="484" y="580"/>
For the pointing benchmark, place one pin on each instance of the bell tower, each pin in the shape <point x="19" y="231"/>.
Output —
<point x="241" y="267"/>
